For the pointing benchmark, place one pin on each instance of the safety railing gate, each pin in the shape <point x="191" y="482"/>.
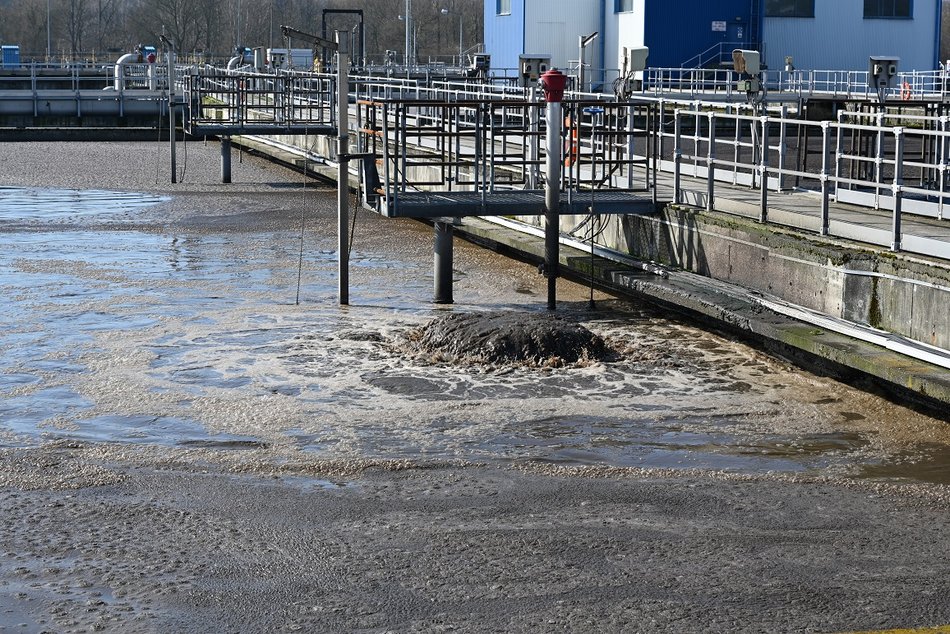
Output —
<point x="494" y="146"/>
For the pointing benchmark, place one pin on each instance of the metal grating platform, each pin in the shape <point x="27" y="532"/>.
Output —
<point x="509" y="203"/>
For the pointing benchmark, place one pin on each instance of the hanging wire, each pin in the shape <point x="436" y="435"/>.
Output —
<point x="303" y="211"/>
<point x="184" y="158"/>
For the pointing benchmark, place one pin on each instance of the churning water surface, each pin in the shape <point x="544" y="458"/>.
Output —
<point x="180" y="328"/>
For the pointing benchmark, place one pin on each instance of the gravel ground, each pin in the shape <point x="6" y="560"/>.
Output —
<point x="246" y="535"/>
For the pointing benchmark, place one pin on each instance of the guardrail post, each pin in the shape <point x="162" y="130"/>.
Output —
<point x="388" y="189"/>
<point x="534" y="116"/>
<point x="782" y="148"/>
<point x="838" y="153"/>
<point x="764" y="171"/>
<point x="878" y="160"/>
<point x="36" y="103"/>
<point x="898" y="186"/>
<point x="171" y="115"/>
<point x="677" y="157"/>
<point x="942" y="165"/>
<point x="825" y="178"/>
<point x="711" y="162"/>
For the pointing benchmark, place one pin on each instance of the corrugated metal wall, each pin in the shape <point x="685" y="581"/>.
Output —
<point x="554" y="26"/>
<point x="840" y="38"/>
<point x="623" y="30"/>
<point x="504" y="34"/>
<point x="677" y="30"/>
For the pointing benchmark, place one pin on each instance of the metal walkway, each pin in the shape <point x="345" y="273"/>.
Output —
<point x="448" y="149"/>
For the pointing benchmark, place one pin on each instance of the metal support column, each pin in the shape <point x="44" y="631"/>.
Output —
<point x="898" y="187"/>
<point x="825" y="178"/>
<point x="225" y="159"/>
<point x="711" y="163"/>
<point x="764" y="172"/>
<point x="677" y="158"/>
<point x="443" y="262"/>
<point x="171" y="114"/>
<point x="343" y="176"/>
<point x="554" y="83"/>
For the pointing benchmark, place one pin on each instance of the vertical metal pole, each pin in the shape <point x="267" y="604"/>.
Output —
<point x="631" y="148"/>
<point x="580" y="65"/>
<point x="552" y="200"/>
<point x="838" y="141"/>
<point x="343" y="176"/>
<point x="782" y="147"/>
<point x="825" y="178"/>
<point x="898" y="186"/>
<point x="711" y="163"/>
<point x="408" y="20"/>
<point x="534" y="116"/>
<point x="225" y="159"/>
<point x="677" y="157"/>
<point x="443" y="262"/>
<point x="764" y="172"/>
<point x="878" y="160"/>
<point x="171" y="114"/>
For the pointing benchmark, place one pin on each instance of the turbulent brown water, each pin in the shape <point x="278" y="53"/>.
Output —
<point x="166" y="316"/>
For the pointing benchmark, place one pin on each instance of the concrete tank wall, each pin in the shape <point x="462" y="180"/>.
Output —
<point x="898" y="293"/>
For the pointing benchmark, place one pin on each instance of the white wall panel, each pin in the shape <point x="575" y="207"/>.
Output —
<point x="840" y="38"/>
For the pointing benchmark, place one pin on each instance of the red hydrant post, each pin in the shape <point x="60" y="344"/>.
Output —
<point x="553" y="82"/>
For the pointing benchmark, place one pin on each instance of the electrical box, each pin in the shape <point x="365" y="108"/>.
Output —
<point x="11" y="57"/>
<point x="637" y="58"/>
<point x="531" y="68"/>
<point x="747" y="85"/>
<point x="883" y="72"/>
<point x="299" y="58"/>
<point x="746" y="61"/>
<point x="481" y="62"/>
<point x="260" y="59"/>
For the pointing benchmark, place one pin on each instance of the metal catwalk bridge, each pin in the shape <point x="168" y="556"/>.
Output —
<point x="455" y="149"/>
<point x="443" y="148"/>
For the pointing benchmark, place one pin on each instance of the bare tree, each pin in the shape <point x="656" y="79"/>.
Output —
<point x="216" y="25"/>
<point x="76" y="14"/>
<point x="105" y="23"/>
<point x="178" y="20"/>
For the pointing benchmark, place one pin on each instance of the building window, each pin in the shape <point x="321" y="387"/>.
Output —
<point x="503" y="7"/>
<point x="623" y="6"/>
<point x="888" y="8"/>
<point x="789" y="8"/>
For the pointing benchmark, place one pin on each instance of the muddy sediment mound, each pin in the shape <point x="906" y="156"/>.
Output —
<point x="509" y="337"/>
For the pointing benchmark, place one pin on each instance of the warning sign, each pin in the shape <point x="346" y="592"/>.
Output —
<point x="719" y="26"/>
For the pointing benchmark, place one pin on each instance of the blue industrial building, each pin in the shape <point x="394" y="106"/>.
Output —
<point x="817" y="34"/>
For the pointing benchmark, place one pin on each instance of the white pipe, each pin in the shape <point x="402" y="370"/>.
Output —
<point x="234" y="61"/>
<point x="119" y="72"/>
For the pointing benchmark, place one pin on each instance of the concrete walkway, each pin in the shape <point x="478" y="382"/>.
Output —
<point x="801" y="209"/>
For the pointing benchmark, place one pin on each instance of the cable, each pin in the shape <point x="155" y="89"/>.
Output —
<point x="184" y="163"/>
<point x="303" y="214"/>
<point x="356" y="208"/>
